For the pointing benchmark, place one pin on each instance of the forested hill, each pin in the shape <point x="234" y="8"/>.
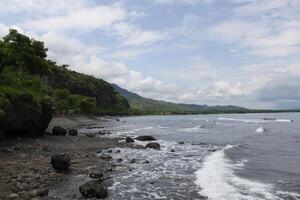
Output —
<point x="31" y="86"/>
<point x="139" y="104"/>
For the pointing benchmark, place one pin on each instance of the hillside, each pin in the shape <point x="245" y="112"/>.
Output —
<point x="31" y="86"/>
<point x="150" y="106"/>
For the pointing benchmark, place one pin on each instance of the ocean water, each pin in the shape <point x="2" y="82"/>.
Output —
<point x="224" y="157"/>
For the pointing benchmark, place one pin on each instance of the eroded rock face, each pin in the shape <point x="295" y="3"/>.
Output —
<point x="24" y="117"/>
<point x="145" y="138"/>
<point x="60" y="162"/>
<point x="153" y="145"/>
<point x="93" y="189"/>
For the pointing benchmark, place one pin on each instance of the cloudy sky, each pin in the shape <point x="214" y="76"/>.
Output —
<point x="241" y="52"/>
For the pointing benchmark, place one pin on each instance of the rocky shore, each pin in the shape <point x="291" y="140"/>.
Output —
<point x="25" y="163"/>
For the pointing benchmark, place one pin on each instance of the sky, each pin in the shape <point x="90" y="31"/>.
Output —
<point x="215" y="52"/>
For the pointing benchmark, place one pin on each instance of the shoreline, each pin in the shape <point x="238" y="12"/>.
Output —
<point x="25" y="168"/>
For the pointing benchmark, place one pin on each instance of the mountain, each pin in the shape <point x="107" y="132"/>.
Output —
<point x="151" y="106"/>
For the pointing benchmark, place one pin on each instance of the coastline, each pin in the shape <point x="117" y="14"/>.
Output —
<point x="25" y="168"/>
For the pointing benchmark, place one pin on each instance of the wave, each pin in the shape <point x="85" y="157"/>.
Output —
<point x="264" y="120"/>
<point x="192" y="129"/>
<point x="217" y="181"/>
<point x="260" y="130"/>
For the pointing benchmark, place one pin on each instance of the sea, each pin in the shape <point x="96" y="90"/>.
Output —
<point x="215" y="157"/>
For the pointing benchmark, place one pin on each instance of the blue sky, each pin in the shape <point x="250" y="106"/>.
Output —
<point x="241" y="52"/>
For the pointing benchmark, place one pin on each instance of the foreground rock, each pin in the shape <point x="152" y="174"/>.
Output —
<point x="73" y="132"/>
<point x="93" y="189"/>
<point x="58" y="131"/>
<point x="129" y="140"/>
<point x="61" y="162"/>
<point x="153" y="145"/>
<point x="22" y="116"/>
<point x="145" y="138"/>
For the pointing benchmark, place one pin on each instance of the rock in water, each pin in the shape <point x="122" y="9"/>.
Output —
<point x="93" y="189"/>
<point x="57" y="130"/>
<point x="129" y="139"/>
<point x="60" y="162"/>
<point x="153" y="145"/>
<point x="73" y="132"/>
<point x="145" y="138"/>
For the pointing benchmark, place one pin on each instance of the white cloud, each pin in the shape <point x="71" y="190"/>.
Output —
<point x="98" y="17"/>
<point x="134" y="35"/>
<point x="178" y="1"/>
<point x="40" y="7"/>
<point x="3" y="30"/>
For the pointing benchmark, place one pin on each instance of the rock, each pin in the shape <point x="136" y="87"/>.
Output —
<point x="129" y="139"/>
<point x="133" y="161"/>
<point x="118" y="151"/>
<point x="181" y="143"/>
<point x="119" y="160"/>
<point x="146" y="161"/>
<point x="91" y="135"/>
<point x="93" y="189"/>
<point x="105" y="157"/>
<point x="139" y="147"/>
<point x="101" y="133"/>
<point x="109" y="151"/>
<point x="145" y="138"/>
<point x="153" y="145"/>
<point x="13" y="196"/>
<point x="172" y="150"/>
<point x="60" y="162"/>
<point x="73" y="132"/>
<point x="24" y="117"/>
<point x="96" y="176"/>
<point x="42" y="192"/>
<point x="58" y="131"/>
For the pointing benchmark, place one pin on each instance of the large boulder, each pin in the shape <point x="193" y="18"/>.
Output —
<point x="145" y="138"/>
<point x="93" y="189"/>
<point x="57" y="130"/>
<point x="60" y="162"/>
<point x="153" y="145"/>
<point x="23" y="116"/>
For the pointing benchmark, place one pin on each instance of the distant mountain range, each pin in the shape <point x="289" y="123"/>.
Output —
<point x="152" y="106"/>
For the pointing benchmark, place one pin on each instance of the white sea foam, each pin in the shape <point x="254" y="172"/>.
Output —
<point x="242" y="120"/>
<point x="260" y="130"/>
<point x="192" y="129"/>
<point x="217" y="181"/>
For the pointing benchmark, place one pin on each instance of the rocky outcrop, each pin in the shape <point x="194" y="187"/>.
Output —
<point x="93" y="189"/>
<point x="60" y="162"/>
<point x="23" y="116"/>
<point x="153" y="145"/>
<point x="145" y="138"/>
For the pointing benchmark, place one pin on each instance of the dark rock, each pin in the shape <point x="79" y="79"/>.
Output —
<point x="129" y="139"/>
<point x="101" y="133"/>
<point x="172" y="150"/>
<point x="105" y="157"/>
<point x="139" y="147"/>
<point x="133" y="161"/>
<point x="146" y="161"/>
<point x="91" y="135"/>
<point x="24" y="117"/>
<point x="99" y="151"/>
<point x="42" y="192"/>
<point x="118" y="151"/>
<point x="96" y="176"/>
<point x="93" y="189"/>
<point x="119" y="160"/>
<point x="181" y="143"/>
<point x="57" y="130"/>
<point x="153" y="145"/>
<point x="73" y="132"/>
<point x="145" y="138"/>
<point x="109" y="151"/>
<point x="60" y="162"/>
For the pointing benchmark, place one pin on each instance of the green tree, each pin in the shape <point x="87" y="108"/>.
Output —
<point x="87" y="106"/>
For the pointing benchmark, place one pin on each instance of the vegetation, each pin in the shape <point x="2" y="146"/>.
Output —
<point x="25" y="70"/>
